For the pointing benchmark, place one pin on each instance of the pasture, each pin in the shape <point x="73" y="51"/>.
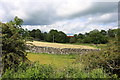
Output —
<point x="58" y="61"/>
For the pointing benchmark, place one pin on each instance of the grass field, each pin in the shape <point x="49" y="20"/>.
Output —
<point x="59" y="61"/>
<point x="59" y="45"/>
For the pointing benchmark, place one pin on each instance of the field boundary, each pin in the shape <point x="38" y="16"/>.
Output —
<point x="52" y="50"/>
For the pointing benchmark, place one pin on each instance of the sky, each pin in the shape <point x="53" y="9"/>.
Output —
<point x="69" y="16"/>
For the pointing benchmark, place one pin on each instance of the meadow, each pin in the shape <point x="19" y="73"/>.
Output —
<point x="57" y="60"/>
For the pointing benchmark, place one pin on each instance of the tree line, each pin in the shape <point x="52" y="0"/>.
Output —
<point x="94" y="37"/>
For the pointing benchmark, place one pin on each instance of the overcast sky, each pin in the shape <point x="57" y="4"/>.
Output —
<point x="69" y="16"/>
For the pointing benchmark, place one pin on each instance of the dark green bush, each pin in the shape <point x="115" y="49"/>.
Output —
<point x="108" y="59"/>
<point x="13" y="44"/>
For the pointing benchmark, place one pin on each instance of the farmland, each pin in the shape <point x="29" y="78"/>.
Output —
<point x="58" y="45"/>
<point x="58" y="61"/>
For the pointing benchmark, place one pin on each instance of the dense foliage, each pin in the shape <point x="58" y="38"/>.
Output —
<point x="13" y="43"/>
<point x="37" y="71"/>
<point x="108" y="59"/>
<point x="52" y="36"/>
<point x="94" y="36"/>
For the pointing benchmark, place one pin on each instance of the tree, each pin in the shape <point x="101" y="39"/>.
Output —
<point x="87" y="39"/>
<point x="52" y="35"/>
<point x="111" y="33"/>
<point x="17" y="21"/>
<point x="72" y="40"/>
<point x="45" y="36"/>
<point x="81" y="36"/>
<point x="97" y="37"/>
<point x="32" y="33"/>
<point x="38" y="34"/>
<point x="62" y="37"/>
<point x="13" y="48"/>
<point x="103" y="32"/>
<point x="25" y="34"/>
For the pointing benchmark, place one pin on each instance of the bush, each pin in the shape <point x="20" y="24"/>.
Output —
<point x="108" y="59"/>
<point x="98" y="73"/>
<point x="71" y="72"/>
<point x="13" y="44"/>
<point x="36" y="70"/>
<point x="30" y="71"/>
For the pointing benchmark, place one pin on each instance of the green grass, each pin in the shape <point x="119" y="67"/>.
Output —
<point x="56" y="60"/>
<point x="65" y="68"/>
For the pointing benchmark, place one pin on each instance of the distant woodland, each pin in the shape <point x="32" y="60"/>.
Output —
<point x="92" y="37"/>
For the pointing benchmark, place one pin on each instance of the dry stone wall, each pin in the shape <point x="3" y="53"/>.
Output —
<point x="52" y="50"/>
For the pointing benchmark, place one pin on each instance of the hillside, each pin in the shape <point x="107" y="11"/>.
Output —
<point x="59" y="45"/>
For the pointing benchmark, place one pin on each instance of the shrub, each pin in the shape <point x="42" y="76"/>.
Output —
<point x="30" y="71"/>
<point x="36" y="70"/>
<point x="13" y="44"/>
<point x="98" y="73"/>
<point x="108" y="59"/>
